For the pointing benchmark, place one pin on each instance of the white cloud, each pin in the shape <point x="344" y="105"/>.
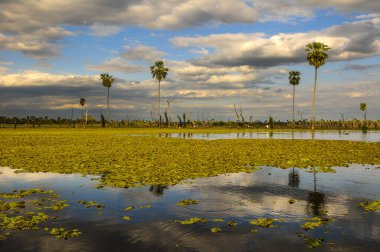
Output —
<point x="102" y="30"/>
<point x="143" y="52"/>
<point x="261" y="50"/>
<point x="117" y="64"/>
<point x="35" y="78"/>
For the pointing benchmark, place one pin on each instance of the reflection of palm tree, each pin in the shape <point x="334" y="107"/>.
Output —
<point x="157" y="190"/>
<point x="316" y="200"/>
<point x="294" y="178"/>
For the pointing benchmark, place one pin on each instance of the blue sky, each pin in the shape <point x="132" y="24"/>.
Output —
<point x="219" y="54"/>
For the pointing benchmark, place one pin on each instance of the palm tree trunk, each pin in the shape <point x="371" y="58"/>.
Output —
<point x="82" y="111"/>
<point x="108" y="99"/>
<point x="294" y="88"/>
<point x="159" y="104"/>
<point x="313" y="108"/>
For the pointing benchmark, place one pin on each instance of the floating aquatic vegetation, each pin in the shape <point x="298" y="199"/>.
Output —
<point x="192" y="221"/>
<point x="127" y="218"/>
<point x="315" y="222"/>
<point x="370" y="206"/>
<point x="216" y="230"/>
<point x="322" y="169"/>
<point x="90" y="203"/>
<point x="59" y="205"/>
<point x="218" y="220"/>
<point x="22" y="193"/>
<point x="129" y="208"/>
<point x="13" y="205"/>
<point x="311" y="242"/>
<point x="187" y="202"/>
<point x="254" y="231"/>
<point x="167" y="161"/>
<point x="65" y="234"/>
<point x="147" y="206"/>
<point x="232" y="223"/>
<point x="263" y="222"/>
<point x="20" y="222"/>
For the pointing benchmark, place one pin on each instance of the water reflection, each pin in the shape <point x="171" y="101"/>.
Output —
<point x="371" y="136"/>
<point x="316" y="200"/>
<point x="157" y="190"/>
<point x="239" y="197"/>
<point x="294" y="178"/>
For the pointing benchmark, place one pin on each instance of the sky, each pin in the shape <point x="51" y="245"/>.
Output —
<point x="219" y="54"/>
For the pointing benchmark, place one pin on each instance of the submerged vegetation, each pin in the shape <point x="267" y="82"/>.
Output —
<point x="126" y="161"/>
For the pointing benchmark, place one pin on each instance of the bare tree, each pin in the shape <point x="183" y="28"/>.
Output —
<point x="239" y="114"/>
<point x="152" y="114"/>
<point x="170" y="114"/>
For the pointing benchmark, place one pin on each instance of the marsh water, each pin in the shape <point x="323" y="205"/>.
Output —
<point x="238" y="197"/>
<point x="351" y="135"/>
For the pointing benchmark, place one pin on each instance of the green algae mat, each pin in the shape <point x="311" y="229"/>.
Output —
<point x="124" y="160"/>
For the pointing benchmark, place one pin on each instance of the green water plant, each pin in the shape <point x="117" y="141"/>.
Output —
<point x="370" y="206"/>
<point x="62" y="233"/>
<point x="187" y="202"/>
<point x="314" y="222"/>
<point x="130" y="161"/>
<point x="232" y="223"/>
<point x="216" y="230"/>
<point x="310" y="241"/>
<point x="263" y="222"/>
<point x="129" y="208"/>
<point x="192" y="221"/>
<point x="59" y="205"/>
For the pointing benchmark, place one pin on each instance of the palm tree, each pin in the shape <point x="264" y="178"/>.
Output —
<point x="294" y="80"/>
<point x="82" y="101"/>
<point x="107" y="82"/>
<point x="316" y="55"/>
<point x="159" y="72"/>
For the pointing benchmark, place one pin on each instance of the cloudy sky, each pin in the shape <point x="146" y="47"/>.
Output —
<point x="219" y="53"/>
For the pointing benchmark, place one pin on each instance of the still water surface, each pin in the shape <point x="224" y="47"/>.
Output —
<point x="370" y="136"/>
<point x="240" y="197"/>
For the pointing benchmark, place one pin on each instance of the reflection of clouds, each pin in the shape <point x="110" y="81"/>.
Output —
<point x="260" y="194"/>
<point x="240" y="196"/>
<point x="8" y="174"/>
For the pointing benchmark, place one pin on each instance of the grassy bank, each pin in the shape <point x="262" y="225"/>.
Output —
<point x="126" y="160"/>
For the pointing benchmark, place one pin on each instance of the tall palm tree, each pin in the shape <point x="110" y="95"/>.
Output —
<point x="159" y="72"/>
<point x="316" y="55"/>
<point x="294" y="80"/>
<point x="82" y="101"/>
<point x="107" y="82"/>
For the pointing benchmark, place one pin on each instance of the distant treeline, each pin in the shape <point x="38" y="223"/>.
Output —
<point x="183" y="122"/>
